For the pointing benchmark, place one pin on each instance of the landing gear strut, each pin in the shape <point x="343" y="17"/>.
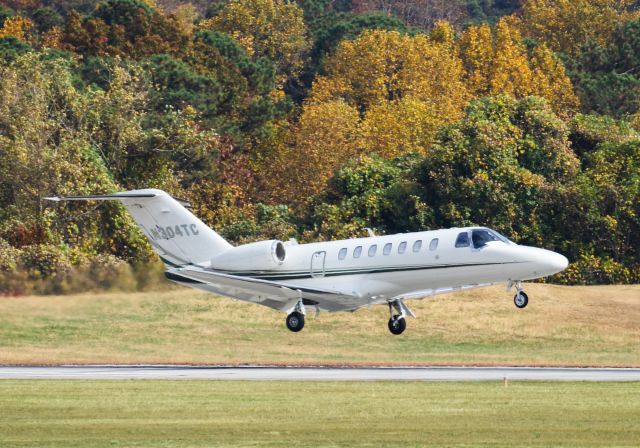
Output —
<point x="397" y="323"/>
<point x="521" y="299"/>
<point x="295" y="320"/>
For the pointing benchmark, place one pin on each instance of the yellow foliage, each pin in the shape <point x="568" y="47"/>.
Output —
<point x="443" y="33"/>
<point x="150" y="3"/>
<point x="324" y="138"/>
<point x="186" y="14"/>
<point x="498" y="63"/>
<point x="550" y="81"/>
<point x="635" y="121"/>
<point x="53" y="38"/>
<point x="476" y="48"/>
<point x="271" y="28"/>
<point x="381" y="66"/>
<point x="397" y="127"/>
<point x="384" y="93"/>
<point x="511" y="72"/>
<point x="18" y="27"/>
<point x="566" y="25"/>
<point x="389" y="93"/>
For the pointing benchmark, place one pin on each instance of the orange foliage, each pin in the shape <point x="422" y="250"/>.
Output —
<point x="18" y="27"/>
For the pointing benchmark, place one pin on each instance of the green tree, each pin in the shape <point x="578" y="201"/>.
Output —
<point x="370" y="192"/>
<point x="602" y="207"/>
<point x="12" y="47"/>
<point x="57" y="139"/>
<point x="45" y="151"/>
<point x="495" y="167"/>
<point x="606" y="75"/>
<point x="46" y="18"/>
<point x="124" y="28"/>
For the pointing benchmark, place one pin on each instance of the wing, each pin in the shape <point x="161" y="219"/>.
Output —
<point x="275" y="295"/>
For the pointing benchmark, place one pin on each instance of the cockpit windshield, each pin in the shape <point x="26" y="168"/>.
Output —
<point x="481" y="237"/>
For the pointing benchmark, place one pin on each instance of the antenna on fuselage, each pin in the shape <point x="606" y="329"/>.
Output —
<point x="370" y="232"/>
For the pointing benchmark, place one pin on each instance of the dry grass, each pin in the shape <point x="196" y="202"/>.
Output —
<point x="591" y="326"/>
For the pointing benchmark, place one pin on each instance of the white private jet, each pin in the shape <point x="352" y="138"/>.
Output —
<point x="333" y="275"/>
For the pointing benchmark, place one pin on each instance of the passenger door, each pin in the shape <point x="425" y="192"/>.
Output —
<point x="317" y="264"/>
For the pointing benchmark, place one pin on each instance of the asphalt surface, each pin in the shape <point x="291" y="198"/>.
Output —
<point x="119" y="372"/>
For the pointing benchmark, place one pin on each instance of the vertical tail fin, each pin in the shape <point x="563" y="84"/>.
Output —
<point x="177" y="236"/>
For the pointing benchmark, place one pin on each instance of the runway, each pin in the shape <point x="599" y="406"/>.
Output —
<point x="172" y="372"/>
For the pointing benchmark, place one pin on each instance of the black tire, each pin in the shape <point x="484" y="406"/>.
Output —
<point x="295" y="321"/>
<point x="397" y="324"/>
<point x="524" y="299"/>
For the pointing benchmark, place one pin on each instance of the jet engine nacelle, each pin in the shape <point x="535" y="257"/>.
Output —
<point x="252" y="256"/>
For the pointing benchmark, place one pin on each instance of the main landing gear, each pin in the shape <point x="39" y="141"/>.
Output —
<point x="521" y="299"/>
<point x="295" y="319"/>
<point x="397" y="322"/>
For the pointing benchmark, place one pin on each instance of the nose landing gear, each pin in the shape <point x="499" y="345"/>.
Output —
<point x="521" y="299"/>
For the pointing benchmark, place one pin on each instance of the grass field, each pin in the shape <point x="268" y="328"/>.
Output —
<point x="561" y="326"/>
<point x="381" y="414"/>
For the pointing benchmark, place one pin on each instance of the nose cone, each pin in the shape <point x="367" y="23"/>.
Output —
<point x="550" y="263"/>
<point x="557" y="263"/>
<point x="538" y="262"/>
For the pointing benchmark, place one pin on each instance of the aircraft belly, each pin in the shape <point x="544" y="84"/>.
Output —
<point x="340" y="290"/>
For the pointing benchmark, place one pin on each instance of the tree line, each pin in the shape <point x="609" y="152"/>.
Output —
<point x="315" y="119"/>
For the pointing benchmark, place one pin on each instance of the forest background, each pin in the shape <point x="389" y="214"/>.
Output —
<point x="313" y="119"/>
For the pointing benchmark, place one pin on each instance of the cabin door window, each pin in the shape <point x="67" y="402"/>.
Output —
<point x="317" y="264"/>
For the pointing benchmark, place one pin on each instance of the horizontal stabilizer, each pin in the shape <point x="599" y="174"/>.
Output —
<point x="110" y="197"/>
<point x="99" y="197"/>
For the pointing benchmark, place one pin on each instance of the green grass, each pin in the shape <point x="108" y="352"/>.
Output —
<point x="596" y="326"/>
<point x="376" y="414"/>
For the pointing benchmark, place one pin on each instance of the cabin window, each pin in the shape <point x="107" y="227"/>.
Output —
<point x="462" y="240"/>
<point x="417" y="245"/>
<point x="402" y="247"/>
<point x="342" y="254"/>
<point x="372" y="250"/>
<point x="433" y="245"/>
<point x="357" y="251"/>
<point x="387" y="249"/>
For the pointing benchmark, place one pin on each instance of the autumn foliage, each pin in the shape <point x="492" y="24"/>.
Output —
<point x="315" y="119"/>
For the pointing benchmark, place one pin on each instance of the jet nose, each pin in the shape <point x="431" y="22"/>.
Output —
<point x="556" y="262"/>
